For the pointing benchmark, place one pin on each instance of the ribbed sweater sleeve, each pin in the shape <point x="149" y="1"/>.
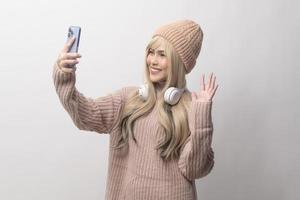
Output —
<point x="197" y="157"/>
<point x="98" y="115"/>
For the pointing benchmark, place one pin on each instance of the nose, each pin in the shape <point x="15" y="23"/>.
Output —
<point x="154" y="60"/>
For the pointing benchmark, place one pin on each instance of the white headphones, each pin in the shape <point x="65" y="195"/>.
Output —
<point x="171" y="96"/>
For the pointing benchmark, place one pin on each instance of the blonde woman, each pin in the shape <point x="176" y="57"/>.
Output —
<point x="160" y="132"/>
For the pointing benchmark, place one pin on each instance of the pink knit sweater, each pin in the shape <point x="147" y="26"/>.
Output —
<point x="138" y="172"/>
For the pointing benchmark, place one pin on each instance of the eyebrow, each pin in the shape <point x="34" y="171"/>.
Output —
<point x="158" y="50"/>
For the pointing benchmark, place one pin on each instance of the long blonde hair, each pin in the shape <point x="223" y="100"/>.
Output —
<point x="173" y="119"/>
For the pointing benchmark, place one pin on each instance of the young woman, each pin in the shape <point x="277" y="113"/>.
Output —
<point x="160" y="132"/>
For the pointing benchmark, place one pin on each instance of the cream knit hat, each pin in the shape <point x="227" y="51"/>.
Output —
<point x="186" y="37"/>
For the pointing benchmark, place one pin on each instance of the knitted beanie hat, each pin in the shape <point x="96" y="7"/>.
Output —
<point x="186" y="37"/>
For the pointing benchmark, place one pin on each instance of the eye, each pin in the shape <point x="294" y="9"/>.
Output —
<point x="150" y="51"/>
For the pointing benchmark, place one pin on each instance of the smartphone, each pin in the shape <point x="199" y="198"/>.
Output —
<point x="74" y="31"/>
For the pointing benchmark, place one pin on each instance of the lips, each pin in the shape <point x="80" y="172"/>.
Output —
<point x="154" y="71"/>
<point x="155" y="68"/>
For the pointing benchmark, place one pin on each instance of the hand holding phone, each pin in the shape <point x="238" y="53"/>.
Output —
<point x="68" y="57"/>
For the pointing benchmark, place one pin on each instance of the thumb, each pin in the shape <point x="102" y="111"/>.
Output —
<point x="193" y="96"/>
<point x="68" y="44"/>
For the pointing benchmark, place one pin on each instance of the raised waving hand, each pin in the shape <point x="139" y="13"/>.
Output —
<point x="207" y="91"/>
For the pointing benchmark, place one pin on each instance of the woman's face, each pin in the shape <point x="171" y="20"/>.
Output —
<point x="158" y="64"/>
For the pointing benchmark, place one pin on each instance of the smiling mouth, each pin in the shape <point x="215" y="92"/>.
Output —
<point x="155" y="69"/>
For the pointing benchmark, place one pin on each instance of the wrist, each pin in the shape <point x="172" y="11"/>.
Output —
<point x="66" y="70"/>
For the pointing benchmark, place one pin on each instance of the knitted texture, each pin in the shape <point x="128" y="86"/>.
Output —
<point x="186" y="37"/>
<point x="138" y="172"/>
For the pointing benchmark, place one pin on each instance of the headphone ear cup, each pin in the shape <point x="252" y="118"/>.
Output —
<point x="143" y="91"/>
<point x="172" y="95"/>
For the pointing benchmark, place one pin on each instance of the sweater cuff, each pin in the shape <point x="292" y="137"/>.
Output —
<point x="62" y="75"/>
<point x="200" y="115"/>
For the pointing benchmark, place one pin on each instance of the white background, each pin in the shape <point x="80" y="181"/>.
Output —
<point x="251" y="46"/>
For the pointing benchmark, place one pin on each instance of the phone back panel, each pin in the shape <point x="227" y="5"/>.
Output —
<point x="74" y="31"/>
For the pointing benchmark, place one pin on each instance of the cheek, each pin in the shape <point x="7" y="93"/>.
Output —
<point x="148" y="60"/>
<point x="164" y="64"/>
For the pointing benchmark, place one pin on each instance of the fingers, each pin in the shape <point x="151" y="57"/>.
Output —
<point x="68" y="44"/>
<point x="203" y="84"/>
<point x="69" y="56"/>
<point x="203" y="87"/>
<point x="213" y="88"/>
<point x="207" y="91"/>
<point x="210" y="81"/>
<point x="213" y="82"/>
<point x="68" y="59"/>
<point x="68" y="63"/>
<point x="214" y="91"/>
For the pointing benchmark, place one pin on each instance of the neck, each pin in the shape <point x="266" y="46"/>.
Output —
<point x="159" y="87"/>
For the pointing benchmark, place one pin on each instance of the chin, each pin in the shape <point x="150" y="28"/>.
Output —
<point x="156" y="79"/>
